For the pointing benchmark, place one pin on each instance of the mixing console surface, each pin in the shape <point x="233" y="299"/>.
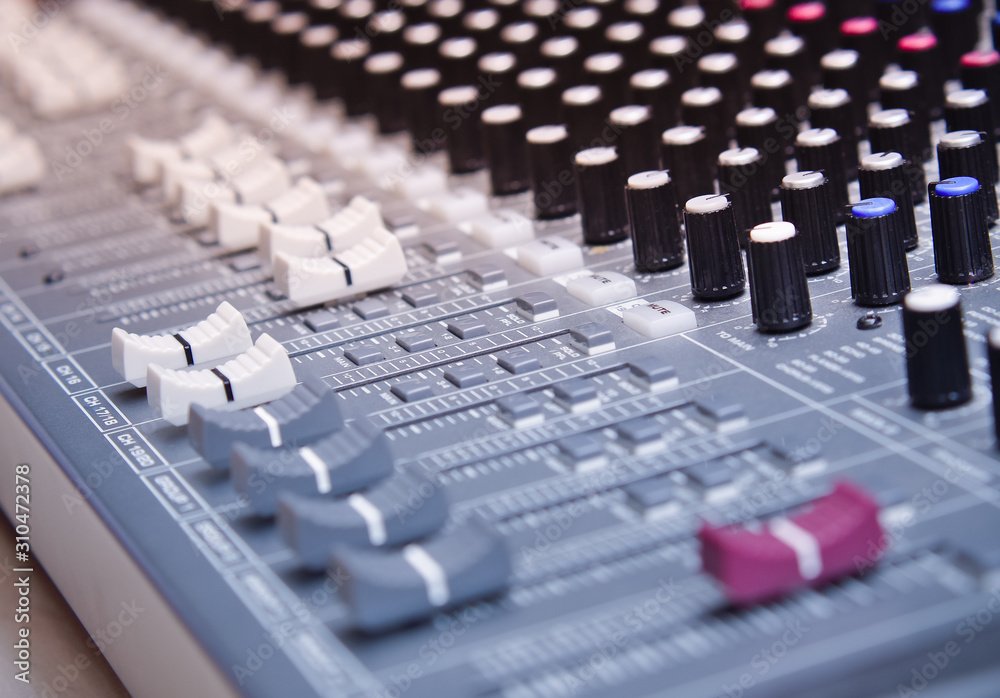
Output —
<point x="369" y="347"/>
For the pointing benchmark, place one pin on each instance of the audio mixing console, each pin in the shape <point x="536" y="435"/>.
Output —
<point x="514" y="348"/>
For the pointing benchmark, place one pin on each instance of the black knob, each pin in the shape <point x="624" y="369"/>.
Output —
<point x="760" y="128"/>
<point x="420" y="89"/>
<point x="734" y="37"/>
<point x="776" y="89"/>
<point x="704" y="106"/>
<point x="585" y="110"/>
<point x="779" y="291"/>
<point x="672" y="53"/>
<point x="813" y="23"/>
<point x="687" y="20"/>
<point x="654" y="88"/>
<point x="499" y="73"/>
<point x="256" y="26"/>
<point x="457" y="60"/>
<point x="628" y="38"/>
<point x="937" y="362"/>
<point x="807" y="201"/>
<point x="550" y="166"/>
<point x="714" y="259"/>
<point x="586" y="25"/>
<point x="385" y="30"/>
<point x="965" y="153"/>
<point x="638" y="139"/>
<point x="863" y="34"/>
<point x="981" y="71"/>
<point x="420" y="44"/>
<point x="789" y="53"/>
<point x="742" y="177"/>
<point x="835" y="109"/>
<point x="316" y="61"/>
<point x="893" y="131"/>
<point x="483" y="25"/>
<point x="506" y="149"/>
<point x="607" y="71"/>
<point x="962" y="250"/>
<point x="600" y="195"/>
<point x="886" y="175"/>
<point x="970" y="110"/>
<point x="920" y="53"/>
<point x="879" y="272"/>
<point x="722" y="71"/>
<point x="562" y="54"/>
<point x="906" y="20"/>
<point x="459" y="107"/>
<point x="901" y="89"/>
<point x="522" y="39"/>
<point x="447" y="13"/>
<point x="843" y="69"/>
<point x="348" y="61"/>
<point x="765" y="20"/>
<point x="539" y="95"/>
<point x="383" y="71"/>
<point x="993" y="342"/>
<point x="821" y="149"/>
<point x="284" y="45"/>
<point x="685" y="154"/>
<point x="955" y="23"/>
<point x="654" y="218"/>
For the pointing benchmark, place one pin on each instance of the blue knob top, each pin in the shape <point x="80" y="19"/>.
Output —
<point x="873" y="208"/>
<point x="956" y="186"/>
<point x="950" y="5"/>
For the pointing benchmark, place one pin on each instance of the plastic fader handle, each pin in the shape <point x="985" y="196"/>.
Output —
<point x="148" y="156"/>
<point x="343" y="230"/>
<point x="222" y="334"/>
<point x="376" y="262"/>
<point x="22" y="164"/>
<point x="261" y="374"/>
<point x="238" y="225"/>
<point x="259" y="180"/>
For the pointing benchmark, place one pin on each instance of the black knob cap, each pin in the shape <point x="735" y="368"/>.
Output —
<point x="814" y="24"/>
<point x="654" y="88"/>
<point x="970" y="110"/>
<point x="993" y="344"/>
<point x="687" y="20"/>
<point x="348" y="61"/>
<point x="562" y="54"/>
<point x="887" y="175"/>
<point x="586" y="25"/>
<point x="284" y="45"/>
<point x="863" y="34"/>
<point x="550" y="165"/>
<point x="835" y="109"/>
<point x="779" y="291"/>
<point x="654" y="218"/>
<point x="901" y="89"/>
<point x="540" y="96"/>
<point x="760" y="128"/>
<point x="384" y="71"/>
<point x="506" y="149"/>
<point x="734" y="37"/>
<point x="790" y="53"/>
<point x="672" y="52"/>
<point x="637" y="139"/>
<point x="457" y="60"/>
<point x="608" y="71"/>
<point x="776" y="89"/>
<point x="499" y="74"/>
<point x="962" y="250"/>
<point x="879" y="272"/>
<point x="906" y="20"/>
<point x="522" y="39"/>
<point x="807" y="201"/>
<point x="628" y="38"/>
<point x="955" y="23"/>
<point x="821" y="149"/>
<point x="765" y="20"/>
<point x="316" y="61"/>
<point x="714" y="259"/>
<point x="420" y="44"/>
<point x="483" y="25"/>
<point x="937" y="362"/>
<point x="894" y="131"/>
<point x="704" y="106"/>
<point x="920" y="53"/>
<point x="458" y="111"/>
<point x="420" y="89"/>
<point x="722" y="71"/>
<point x="741" y="176"/>
<point x="585" y="111"/>
<point x="385" y="30"/>
<point x="844" y="70"/>
<point x="600" y="195"/>
<point x="981" y="71"/>
<point x="685" y="154"/>
<point x="966" y="153"/>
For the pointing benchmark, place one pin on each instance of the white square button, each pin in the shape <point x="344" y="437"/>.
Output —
<point x="660" y="318"/>
<point x="601" y="288"/>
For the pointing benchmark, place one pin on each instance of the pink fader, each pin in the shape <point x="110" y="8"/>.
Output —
<point x="836" y="536"/>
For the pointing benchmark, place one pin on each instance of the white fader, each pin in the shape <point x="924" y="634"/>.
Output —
<point x="345" y="229"/>
<point x="259" y="180"/>
<point x="222" y="334"/>
<point x="375" y="262"/>
<point x="261" y="374"/>
<point x="148" y="155"/>
<point x="22" y="164"/>
<point x="237" y="225"/>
